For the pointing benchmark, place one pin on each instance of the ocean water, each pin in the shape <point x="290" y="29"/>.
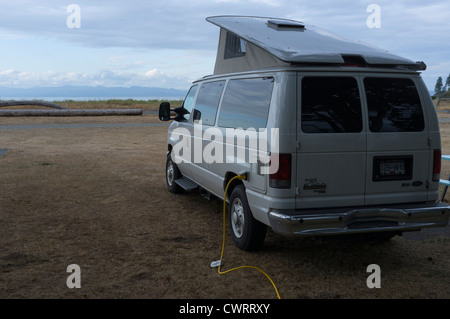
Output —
<point x="90" y="98"/>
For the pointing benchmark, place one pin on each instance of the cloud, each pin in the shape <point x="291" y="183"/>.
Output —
<point x="146" y="24"/>
<point x="156" y="24"/>
<point x="176" y="24"/>
<point x="150" y="78"/>
<point x="153" y="73"/>
<point x="271" y="3"/>
<point x="179" y="40"/>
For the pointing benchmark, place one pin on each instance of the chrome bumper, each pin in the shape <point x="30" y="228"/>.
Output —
<point x="359" y="220"/>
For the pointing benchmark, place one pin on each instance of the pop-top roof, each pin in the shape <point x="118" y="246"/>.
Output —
<point x="296" y="42"/>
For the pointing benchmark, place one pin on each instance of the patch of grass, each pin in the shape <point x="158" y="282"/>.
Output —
<point x="103" y="204"/>
<point x="43" y="164"/>
<point x="116" y="104"/>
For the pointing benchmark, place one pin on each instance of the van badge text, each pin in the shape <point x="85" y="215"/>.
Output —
<point x="314" y="186"/>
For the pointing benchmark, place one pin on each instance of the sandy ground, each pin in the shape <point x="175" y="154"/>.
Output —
<point x="96" y="197"/>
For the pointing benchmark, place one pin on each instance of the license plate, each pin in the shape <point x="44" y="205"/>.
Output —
<point x="392" y="168"/>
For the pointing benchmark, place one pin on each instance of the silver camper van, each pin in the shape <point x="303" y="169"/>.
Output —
<point x="326" y="134"/>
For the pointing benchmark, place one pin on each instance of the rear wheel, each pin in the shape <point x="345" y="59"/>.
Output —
<point x="247" y="232"/>
<point x="172" y="173"/>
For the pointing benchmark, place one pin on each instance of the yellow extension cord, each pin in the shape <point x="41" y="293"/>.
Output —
<point x="243" y="177"/>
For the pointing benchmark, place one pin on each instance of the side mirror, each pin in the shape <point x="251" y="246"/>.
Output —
<point x="164" y="111"/>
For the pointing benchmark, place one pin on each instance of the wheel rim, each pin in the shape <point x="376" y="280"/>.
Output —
<point x="170" y="173"/>
<point x="237" y="218"/>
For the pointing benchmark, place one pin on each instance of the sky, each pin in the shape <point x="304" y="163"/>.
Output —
<point x="169" y="44"/>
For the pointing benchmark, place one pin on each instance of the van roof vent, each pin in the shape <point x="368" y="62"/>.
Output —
<point x="354" y="60"/>
<point x="285" y="24"/>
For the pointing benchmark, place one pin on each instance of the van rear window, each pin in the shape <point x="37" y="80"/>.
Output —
<point x="331" y="105"/>
<point x="394" y="105"/>
<point x="246" y="103"/>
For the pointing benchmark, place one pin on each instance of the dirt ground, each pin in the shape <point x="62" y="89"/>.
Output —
<point x="95" y="196"/>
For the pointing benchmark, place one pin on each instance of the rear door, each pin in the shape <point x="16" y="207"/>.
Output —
<point x="398" y="152"/>
<point x="331" y="141"/>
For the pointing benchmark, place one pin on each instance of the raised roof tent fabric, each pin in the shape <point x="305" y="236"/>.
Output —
<point x="294" y="42"/>
<point x="255" y="58"/>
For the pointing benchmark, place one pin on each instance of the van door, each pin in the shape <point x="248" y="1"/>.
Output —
<point x="331" y="145"/>
<point x="204" y="118"/>
<point x="398" y="154"/>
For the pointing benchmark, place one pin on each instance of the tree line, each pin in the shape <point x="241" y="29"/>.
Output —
<point x="441" y="86"/>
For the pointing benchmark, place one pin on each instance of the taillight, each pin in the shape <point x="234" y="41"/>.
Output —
<point x="437" y="165"/>
<point x="281" y="178"/>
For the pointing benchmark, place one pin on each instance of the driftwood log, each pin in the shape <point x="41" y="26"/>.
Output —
<point x="61" y="111"/>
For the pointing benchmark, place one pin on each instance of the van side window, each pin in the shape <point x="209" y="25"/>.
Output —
<point x="331" y="105"/>
<point x="246" y="103"/>
<point x="189" y="101"/>
<point x="394" y="105"/>
<point x="205" y="109"/>
<point x="235" y="47"/>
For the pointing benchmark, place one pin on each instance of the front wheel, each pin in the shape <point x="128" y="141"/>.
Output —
<point x="247" y="232"/>
<point x="172" y="173"/>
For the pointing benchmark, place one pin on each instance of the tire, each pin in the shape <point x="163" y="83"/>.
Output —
<point x="248" y="233"/>
<point x="172" y="173"/>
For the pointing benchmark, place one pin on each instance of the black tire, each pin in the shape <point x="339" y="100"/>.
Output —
<point x="248" y="233"/>
<point x="172" y="173"/>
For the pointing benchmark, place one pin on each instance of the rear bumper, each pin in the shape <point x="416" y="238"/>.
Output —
<point x="359" y="220"/>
